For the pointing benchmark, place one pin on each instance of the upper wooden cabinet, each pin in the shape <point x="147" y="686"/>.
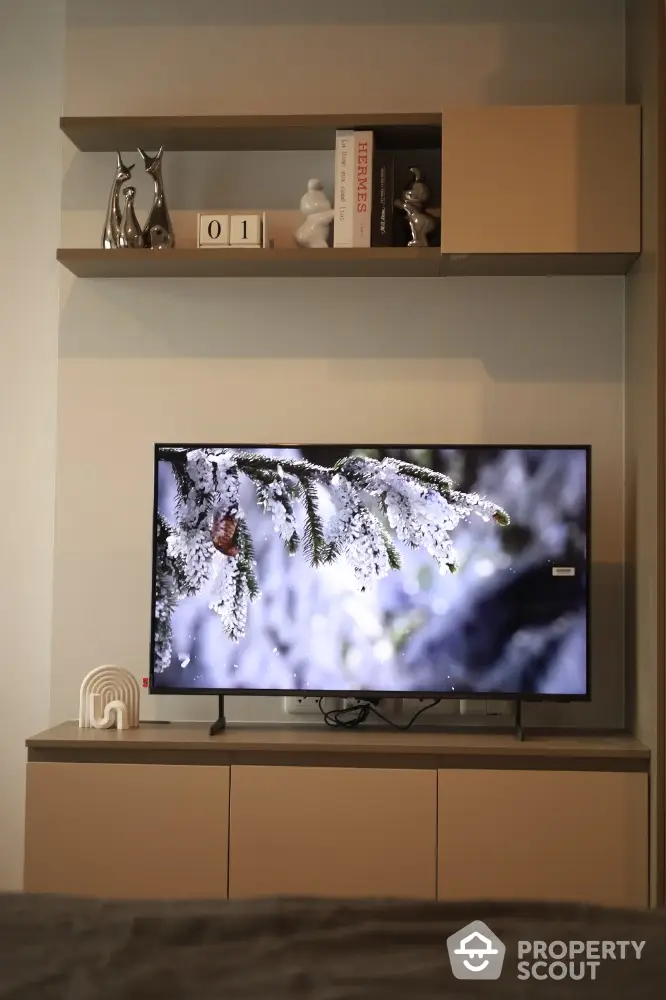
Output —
<point x="541" y="180"/>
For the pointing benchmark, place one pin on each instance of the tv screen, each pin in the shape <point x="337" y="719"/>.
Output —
<point x="371" y="570"/>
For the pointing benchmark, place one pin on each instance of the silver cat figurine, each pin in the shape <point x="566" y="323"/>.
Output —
<point x="130" y="235"/>
<point x="114" y="212"/>
<point x="158" y="231"/>
<point x="414" y="199"/>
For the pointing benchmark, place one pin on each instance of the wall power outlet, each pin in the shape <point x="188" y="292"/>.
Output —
<point x="391" y="708"/>
<point x="500" y="707"/>
<point x="447" y="706"/>
<point x="473" y="706"/>
<point x="480" y="706"/>
<point x="353" y="702"/>
<point x="306" y="705"/>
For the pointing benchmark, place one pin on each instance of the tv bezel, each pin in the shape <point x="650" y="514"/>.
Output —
<point x="458" y="694"/>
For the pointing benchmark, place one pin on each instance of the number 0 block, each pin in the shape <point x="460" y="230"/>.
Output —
<point x="245" y="231"/>
<point x="213" y="231"/>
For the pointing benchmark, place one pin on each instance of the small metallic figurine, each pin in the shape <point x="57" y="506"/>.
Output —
<point x="413" y="204"/>
<point x="158" y="232"/>
<point x="316" y="208"/>
<point x="130" y="231"/>
<point x="114" y="213"/>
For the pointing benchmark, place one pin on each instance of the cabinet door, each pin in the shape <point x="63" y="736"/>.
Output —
<point x="543" y="835"/>
<point x="313" y="831"/>
<point x="530" y="180"/>
<point x="127" y="830"/>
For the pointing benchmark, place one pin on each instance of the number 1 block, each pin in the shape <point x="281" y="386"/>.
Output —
<point x="245" y="231"/>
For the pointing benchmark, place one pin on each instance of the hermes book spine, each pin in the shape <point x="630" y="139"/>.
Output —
<point x="363" y="188"/>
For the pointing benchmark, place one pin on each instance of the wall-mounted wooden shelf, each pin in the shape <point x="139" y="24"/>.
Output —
<point x="376" y="262"/>
<point x="247" y="132"/>
<point x="390" y="262"/>
<point x="525" y="191"/>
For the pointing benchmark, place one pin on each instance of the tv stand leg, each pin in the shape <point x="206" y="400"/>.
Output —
<point x="518" y="721"/>
<point x="220" y="723"/>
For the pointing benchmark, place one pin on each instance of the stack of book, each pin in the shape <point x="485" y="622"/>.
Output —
<point x="368" y="179"/>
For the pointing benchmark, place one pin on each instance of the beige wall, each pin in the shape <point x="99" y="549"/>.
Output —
<point x="469" y="360"/>
<point x="324" y="56"/>
<point x="141" y="361"/>
<point x="31" y="47"/>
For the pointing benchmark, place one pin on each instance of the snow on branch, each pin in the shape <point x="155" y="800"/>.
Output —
<point x="375" y="501"/>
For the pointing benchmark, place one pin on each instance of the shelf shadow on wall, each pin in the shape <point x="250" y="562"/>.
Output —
<point x="520" y="329"/>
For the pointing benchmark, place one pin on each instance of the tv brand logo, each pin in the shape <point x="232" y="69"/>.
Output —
<point x="475" y="952"/>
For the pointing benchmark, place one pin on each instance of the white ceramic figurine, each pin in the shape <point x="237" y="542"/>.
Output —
<point x="316" y="207"/>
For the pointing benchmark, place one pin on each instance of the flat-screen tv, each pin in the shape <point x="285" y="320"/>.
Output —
<point x="371" y="570"/>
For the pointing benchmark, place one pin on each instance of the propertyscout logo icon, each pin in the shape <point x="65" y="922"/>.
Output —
<point x="475" y="952"/>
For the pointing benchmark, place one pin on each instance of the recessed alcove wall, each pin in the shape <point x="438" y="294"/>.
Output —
<point x="473" y="359"/>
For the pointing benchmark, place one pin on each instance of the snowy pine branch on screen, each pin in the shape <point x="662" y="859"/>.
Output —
<point x="373" y="504"/>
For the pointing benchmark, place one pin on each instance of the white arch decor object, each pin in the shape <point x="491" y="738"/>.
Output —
<point x="109" y="697"/>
